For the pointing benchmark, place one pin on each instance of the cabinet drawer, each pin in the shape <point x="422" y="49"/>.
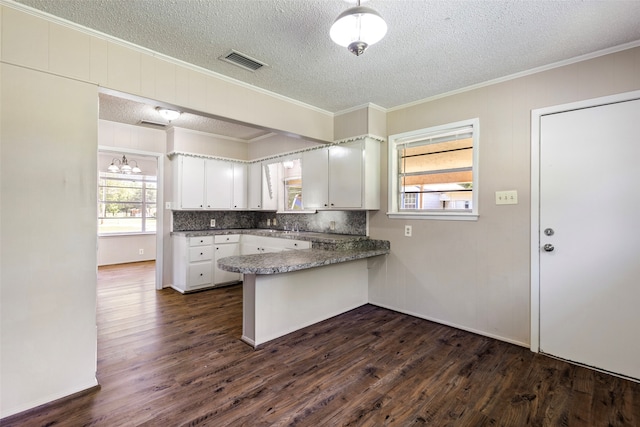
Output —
<point x="200" y="240"/>
<point x="200" y="274"/>
<point x="295" y="244"/>
<point x="200" y="253"/>
<point x="227" y="238"/>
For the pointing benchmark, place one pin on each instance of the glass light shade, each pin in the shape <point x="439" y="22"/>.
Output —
<point x="168" y="114"/>
<point x="358" y="24"/>
<point x="126" y="169"/>
<point x="113" y="168"/>
<point x="136" y="169"/>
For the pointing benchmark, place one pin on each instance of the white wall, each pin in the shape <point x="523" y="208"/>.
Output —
<point x="48" y="237"/>
<point x="476" y="275"/>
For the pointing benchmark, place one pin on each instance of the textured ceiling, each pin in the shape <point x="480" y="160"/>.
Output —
<point x="431" y="48"/>
<point x="117" y="109"/>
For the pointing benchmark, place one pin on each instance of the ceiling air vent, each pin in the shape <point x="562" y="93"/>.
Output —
<point x="152" y="124"/>
<point x="242" y="60"/>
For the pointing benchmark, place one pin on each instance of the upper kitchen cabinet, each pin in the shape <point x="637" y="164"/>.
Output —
<point x="342" y="176"/>
<point x="260" y="189"/>
<point x="209" y="184"/>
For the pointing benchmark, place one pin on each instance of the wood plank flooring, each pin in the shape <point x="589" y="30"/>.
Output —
<point x="166" y="359"/>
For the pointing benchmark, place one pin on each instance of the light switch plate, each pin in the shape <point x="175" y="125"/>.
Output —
<point x="507" y="197"/>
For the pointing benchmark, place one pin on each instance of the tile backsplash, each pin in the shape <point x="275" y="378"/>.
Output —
<point x="336" y="222"/>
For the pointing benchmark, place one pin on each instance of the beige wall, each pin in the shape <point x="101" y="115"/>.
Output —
<point x="276" y="145"/>
<point x="475" y="275"/>
<point x="49" y="128"/>
<point x="190" y="141"/>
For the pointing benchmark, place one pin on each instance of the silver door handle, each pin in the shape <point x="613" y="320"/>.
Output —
<point x="548" y="247"/>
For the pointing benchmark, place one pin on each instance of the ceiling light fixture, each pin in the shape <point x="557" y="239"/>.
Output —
<point x="168" y="114"/>
<point x="125" y="167"/>
<point x="357" y="28"/>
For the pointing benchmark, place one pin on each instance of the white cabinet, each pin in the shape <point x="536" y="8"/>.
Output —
<point x="254" y="186"/>
<point x="260" y="244"/>
<point x="225" y="246"/>
<point x="189" y="180"/>
<point x="192" y="263"/>
<point x="343" y="176"/>
<point x="261" y="192"/>
<point x="195" y="259"/>
<point x="239" y="199"/>
<point x="219" y="184"/>
<point x="209" y="184"/>
<point x="315" y="179"/>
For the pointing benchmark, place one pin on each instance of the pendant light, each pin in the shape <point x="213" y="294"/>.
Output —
<point x="124" y="167"/>
<point x="357" y="28"/>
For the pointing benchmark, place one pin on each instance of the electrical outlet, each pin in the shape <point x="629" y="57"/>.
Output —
<point x="141" y="251"/>
<point x="507" y="197"/>
<point x="332" y="225"/>
<point x="268" y="222"/>
<point x="407" y="230"/>
<point x="167" y="205"/>
<point x="274" y="222"/>
<point x="212" y="223"/>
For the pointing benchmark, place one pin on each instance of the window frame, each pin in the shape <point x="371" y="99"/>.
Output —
<point x="143" y="179"/>
<point x="394" y="211"/>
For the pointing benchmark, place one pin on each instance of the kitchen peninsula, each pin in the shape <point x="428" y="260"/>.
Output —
<point x="289" y="290"/>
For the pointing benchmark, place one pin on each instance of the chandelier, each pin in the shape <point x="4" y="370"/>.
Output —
<point x="123" y="166"/>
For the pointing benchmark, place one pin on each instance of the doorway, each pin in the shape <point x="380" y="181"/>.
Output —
<point x="148" y="216"/>
<point x="585" y="234"/>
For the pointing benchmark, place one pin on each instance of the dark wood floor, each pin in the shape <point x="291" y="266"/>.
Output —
<point x="166" y="359"/>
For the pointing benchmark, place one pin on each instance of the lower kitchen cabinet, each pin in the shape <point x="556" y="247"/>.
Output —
<point x="192" y="263"/>
<point x="195" y="259"/>
<point x="224" y="246"/>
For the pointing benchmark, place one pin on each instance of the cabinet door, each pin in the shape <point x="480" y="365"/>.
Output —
<point x="191" y="183"/>
<point x="315" y="178"/>
<point x="222" y="251"/>
<point x="269" y="186"/>
<point x="219" y="188"/>
<point x="239" y="186"/>
<point x="345" y="175"/>
<point x="254" y="186"/>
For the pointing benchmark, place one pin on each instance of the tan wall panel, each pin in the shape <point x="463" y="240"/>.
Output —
<point x="99" y="61"/>
<point x="124" y="69"/>
<point x="69" y="52"/>
<point x="25" y="39"/>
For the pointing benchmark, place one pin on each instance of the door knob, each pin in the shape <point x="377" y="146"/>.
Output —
<point x="548" y="247"/>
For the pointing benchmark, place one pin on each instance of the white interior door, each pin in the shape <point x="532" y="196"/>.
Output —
<point x="590" y="274"/>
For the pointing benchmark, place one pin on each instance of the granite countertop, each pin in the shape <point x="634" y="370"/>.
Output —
<point x="294" y="235"/>
<point x="287" y="261"/>
<point x="325" y="249"/>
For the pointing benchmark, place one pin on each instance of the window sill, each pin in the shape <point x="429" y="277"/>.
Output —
<point x="448" y="216"/>
<point x="149" y="233"/>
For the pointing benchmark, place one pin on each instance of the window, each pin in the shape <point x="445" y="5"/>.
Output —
<point x="126" y="203"/>
<point x="433" y="172"/>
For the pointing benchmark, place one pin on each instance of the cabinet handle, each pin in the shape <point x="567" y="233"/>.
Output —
<point x="201" y="253"/>
<point x="325" y="205"/>
<point x="201" y="274"/>
<point x="295" y="244"/>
